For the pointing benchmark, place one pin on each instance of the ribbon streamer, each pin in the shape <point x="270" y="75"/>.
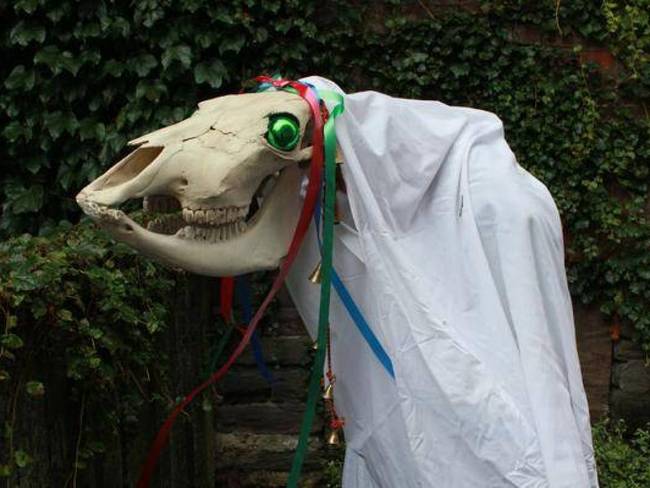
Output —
<point x="226" y="291"/>
<point x="329" y="136"/>
<point x="355" y="312"/>
<point x="243" y="293"/>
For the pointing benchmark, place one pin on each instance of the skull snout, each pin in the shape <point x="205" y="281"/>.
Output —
<point x="126" y="179"/>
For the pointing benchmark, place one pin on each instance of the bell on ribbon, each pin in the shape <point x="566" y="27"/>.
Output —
<point x="315" y="276"/>
<point x="314" y="346"/>
<point x="333" y="438"/>
<point x="329" y="392"/>
<point x="337" y="214"/>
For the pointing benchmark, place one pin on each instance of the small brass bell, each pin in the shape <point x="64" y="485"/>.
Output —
<point x="315" y="276"/>
<point x="339" y="156"/>
<point x="314" y="346"/>
<point x="333" y="438"/>
<point x="329" y="392"/>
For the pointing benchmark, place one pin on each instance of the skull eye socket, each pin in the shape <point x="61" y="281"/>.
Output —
<point x="283" y="132"/>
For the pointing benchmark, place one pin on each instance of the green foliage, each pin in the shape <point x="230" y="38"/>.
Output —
<point x="623" y="460"/>
<point x="332" y="466"/>
<point x="77" y="303"/>
<point x="628" y="23"/>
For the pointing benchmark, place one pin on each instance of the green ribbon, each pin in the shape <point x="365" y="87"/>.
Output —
<point x="329" y="146"/>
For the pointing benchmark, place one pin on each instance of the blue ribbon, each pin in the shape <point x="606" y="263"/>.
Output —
<point x="243" y="293"/>
<point x="353" y="310"/>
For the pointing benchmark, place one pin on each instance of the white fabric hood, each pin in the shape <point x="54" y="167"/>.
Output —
<point x="454" y="254"/>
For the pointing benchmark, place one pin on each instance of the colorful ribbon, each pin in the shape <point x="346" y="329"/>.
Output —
<point x="226" y="292"/>
<point x="313" y="394"/>
<point x="344" y="295"/>
<point x="243" y="293"/>
<point x="354" y="311"/>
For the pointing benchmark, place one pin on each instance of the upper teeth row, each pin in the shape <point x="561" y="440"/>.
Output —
<point x="214" y="216"/>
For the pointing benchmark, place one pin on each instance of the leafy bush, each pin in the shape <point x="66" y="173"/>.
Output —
<point x="623" y="460"/>
<point x="76" y="303"/>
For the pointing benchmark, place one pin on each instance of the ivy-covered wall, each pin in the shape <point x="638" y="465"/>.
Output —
<point x="81" y="78"/>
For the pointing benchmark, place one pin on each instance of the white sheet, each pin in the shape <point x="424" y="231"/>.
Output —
<point x="454" y="254"/>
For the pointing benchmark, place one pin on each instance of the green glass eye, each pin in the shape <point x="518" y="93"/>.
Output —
<point x="283" y="132"/>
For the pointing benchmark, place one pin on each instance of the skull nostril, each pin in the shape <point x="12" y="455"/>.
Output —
<point x="184" y="181"/>
<point x="128" y="228"/>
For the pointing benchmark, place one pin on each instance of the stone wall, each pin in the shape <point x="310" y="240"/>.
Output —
<point x="595" y="353"/>
<point x="258" y="423"/>
<point x="630" y="388"/>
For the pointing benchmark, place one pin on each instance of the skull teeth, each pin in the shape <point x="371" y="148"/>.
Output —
<point x="166" y="224"/>
<point x="214" y="216"/>
<point x="213" y="234"/>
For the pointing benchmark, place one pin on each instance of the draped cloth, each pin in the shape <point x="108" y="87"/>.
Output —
<point x="454" y="254"/>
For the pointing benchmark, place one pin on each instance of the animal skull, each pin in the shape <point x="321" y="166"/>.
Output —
<point x="229" y="198"/>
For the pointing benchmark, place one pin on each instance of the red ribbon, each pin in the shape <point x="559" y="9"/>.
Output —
<point x="226" y="292"/>
<point x="304" y="221"/>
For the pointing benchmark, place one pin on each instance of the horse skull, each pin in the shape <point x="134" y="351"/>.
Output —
<point x="234" y="197"/>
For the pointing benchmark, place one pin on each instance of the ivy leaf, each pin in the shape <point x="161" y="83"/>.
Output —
<point x="150" y="91"/>
<point x="58" y="122"/>
<point x="58" y="60"/>
<point x="14" y="130"/>
<point x="28" y="6"/>
<point x="64" y="315"/>
<point x="35" y="388"/>
<point x="22" y="34"/>
<point x="11" y="322"/>
<point x="22" y="458"/>
<point x="261" y="35"/>
<point x="65" y="176"/>
<point x="24" y="200"/>
<point x="143" y="64"/>
<point x="20" y="78"/>
<point x="114" y="68"/>
<point x="233" y="44"/>
<point x="212" y="73"/>
<point x="91" y="129"/>
<point x="34" y="164"/>
<point x="459" y="70"/>
<point x="183" y="54"/>
<point x="11" y="341"/>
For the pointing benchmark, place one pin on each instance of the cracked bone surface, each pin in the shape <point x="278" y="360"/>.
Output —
<point x="220" y="200"/>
